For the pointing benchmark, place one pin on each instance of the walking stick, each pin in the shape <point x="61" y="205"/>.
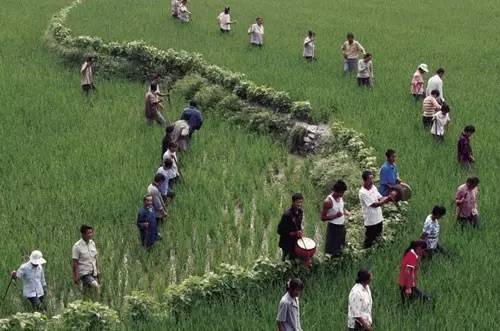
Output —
<point x="7" y="290"/>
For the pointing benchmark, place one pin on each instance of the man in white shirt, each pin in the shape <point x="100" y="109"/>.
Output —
<point x="184" y="14"/>
<point x="371" y="201"/>
<point x="351" y="50"/>
<point x="33" y="277"/>
<point x="224" y="20"/>
<point x="359" y="311"/>
<point x="288" y="318"/>
<point x="333" y="212"/>
<point x="436" y="83"/>
<point x="365" y="71"/>
<point x="309" y="46"/>
<point x="256" y="32"/>
<point x="84" y="260"/>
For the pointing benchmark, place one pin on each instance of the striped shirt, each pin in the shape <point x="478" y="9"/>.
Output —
<point x="430" y="106"/>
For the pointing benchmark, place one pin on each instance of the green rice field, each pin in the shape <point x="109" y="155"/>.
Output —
<point x="68" y="160"/>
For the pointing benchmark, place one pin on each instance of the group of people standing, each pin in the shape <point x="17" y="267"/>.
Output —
<point x="436" y="112"/>
<point x="371" y="199"/>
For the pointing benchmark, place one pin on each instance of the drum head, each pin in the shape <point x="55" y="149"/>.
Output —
<point x="403" y="192"/>
<point x="306" y="243"/>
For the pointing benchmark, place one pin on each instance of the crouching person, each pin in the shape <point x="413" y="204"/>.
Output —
<point x="84" y="260"/>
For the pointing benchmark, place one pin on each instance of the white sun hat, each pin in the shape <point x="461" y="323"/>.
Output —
<point x="424" y="67"/>
<point x="36" y="258"/>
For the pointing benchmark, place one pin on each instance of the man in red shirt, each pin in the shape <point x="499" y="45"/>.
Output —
<point x="408" y="276"/>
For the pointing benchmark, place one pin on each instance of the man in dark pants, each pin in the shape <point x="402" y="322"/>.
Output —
<point x="193" y="117"/>
<point x="371" y="203"/>
<point x="333" y="213"/>
<point x="290" y="227"/>
<point x="33" y="277"/>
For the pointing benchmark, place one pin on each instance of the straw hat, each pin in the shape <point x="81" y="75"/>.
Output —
<point x="36" y="258"/>
<point x="424" y="67"/>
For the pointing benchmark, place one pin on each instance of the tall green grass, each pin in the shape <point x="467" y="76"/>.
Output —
<point x="460" y="36"/>
<point x="69" y="160"/>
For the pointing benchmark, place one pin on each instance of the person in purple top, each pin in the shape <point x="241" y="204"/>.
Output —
<point x="146" y="222"/>
<point x="464" y="155"/>
<point x="193" y="116"/>
<point x="389" y="175"/>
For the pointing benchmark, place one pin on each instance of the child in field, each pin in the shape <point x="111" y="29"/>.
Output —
<point x="256" y="32"/>
<point x="440" y="121"/>
<point x="184" y="14"/>
<point x="309" y="46"/>
<point x="224" y="20"/>
<point x="429" y="108"/>
<point x="365" y="71"/>
<point x="430" y="233"/>
<point x="417" y="82"/>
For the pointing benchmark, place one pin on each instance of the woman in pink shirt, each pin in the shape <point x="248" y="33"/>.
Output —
<point x="466" y="201"/>
<point x="417" y="82"/>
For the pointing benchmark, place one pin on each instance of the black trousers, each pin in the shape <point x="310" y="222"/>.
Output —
<point x="427" y="122"/>
<point x="416" y="295"/>
<point x="372" y="232"/>
<point x="335" y="239"/>
<point x="288" y="254"/>
<point x="469" y="221"/>
<point x="364" y="81"/>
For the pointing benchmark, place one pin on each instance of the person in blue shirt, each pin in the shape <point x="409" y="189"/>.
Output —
<point x="389" y="175"/>
<point x="146" y="222"/>
<point x="193" y="116"/>
<point x="33" y="277"/>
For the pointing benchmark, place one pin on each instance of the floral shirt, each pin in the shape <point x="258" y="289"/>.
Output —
<point x="417" y="83"/>
<point x="431" y="232"/>
<point x="360" y="305"/>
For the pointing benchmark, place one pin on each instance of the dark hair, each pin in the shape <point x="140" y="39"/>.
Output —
<point x="439" y="210"/>
<point x="172" y="145"/>
<point x="297" y="196"/>
<point x="84" y="228"/>
<point x="168" y="163"/>
<point x="258" y="18"/>
<point x="226" y="10"/>
<point x="169" y="129"/>
<point x="159" y="178"/>
<point x="146" y="196"/>
<point x="340" y="186"/>
<point x="363" y="276"/>
<point x="367" y="55"/>
<point x="390" y="152"/>
<point x="310" y="32"/>
<point x="435" y="92"/>
<point x="366" y="174"/>
<point x="470" y="129"/>
<point x="445" y="108"/>
<point x="416" y="244"/>
<point x="474" y="181"/>
<point x="294" y="284"/>
<point x="440" y="71"/>
<point x="192" y="103"/>
<point x="153" y="87"/>
<point x="89" y="58"/>
<point x="350" y="35"/>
